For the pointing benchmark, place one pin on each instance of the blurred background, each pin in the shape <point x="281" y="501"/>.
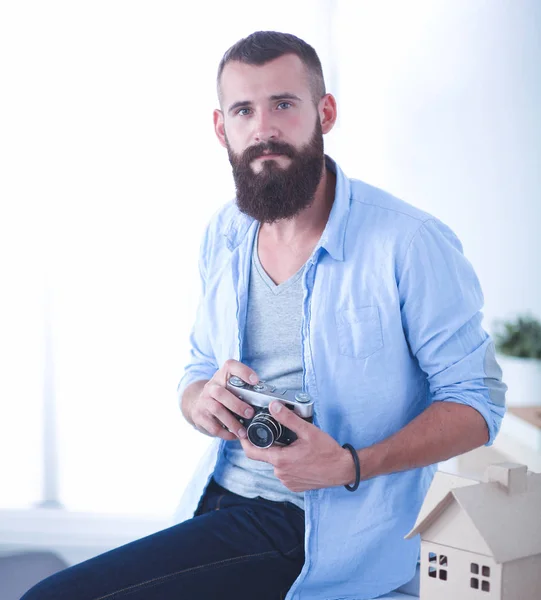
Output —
<point x="110" y="169"/>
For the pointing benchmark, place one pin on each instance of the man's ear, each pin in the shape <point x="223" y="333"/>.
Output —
<point x="219" y="126"/>
<point x="327" y="112"/>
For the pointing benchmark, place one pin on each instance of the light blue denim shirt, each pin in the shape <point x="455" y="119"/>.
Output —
<point x="391" y="323"/>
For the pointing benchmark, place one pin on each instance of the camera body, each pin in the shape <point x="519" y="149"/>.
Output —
<point x="262" y="429"/>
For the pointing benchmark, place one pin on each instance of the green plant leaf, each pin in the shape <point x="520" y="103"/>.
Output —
<point x="520" y="337"/>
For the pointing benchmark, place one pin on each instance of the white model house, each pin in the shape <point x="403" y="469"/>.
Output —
<point x="482" y="540"/>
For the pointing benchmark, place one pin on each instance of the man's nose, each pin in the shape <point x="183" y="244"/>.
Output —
<point x="265" y="128"/>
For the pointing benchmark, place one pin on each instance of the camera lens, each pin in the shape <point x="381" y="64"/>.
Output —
<point x="263" y="431"/>
<point x="262" y="435"/>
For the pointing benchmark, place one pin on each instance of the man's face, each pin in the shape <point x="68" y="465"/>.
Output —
<point x="273" y="137"/>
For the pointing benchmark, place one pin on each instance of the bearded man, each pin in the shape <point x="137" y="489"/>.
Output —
<point x="321" y="285"/>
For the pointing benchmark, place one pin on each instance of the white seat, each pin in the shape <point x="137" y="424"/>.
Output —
<point x="20" y="571"/>
<point x="408" y="591"/>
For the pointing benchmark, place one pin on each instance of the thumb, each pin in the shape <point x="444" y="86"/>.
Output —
<point x="288" y="418"/>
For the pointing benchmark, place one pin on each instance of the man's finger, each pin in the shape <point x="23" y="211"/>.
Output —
<point x="254" y="452"/>
<point x="289" y="419"/>
<point x="268" y="455"/>
<point x="209" y="425"/>
<point x="232" y="402"/>
<point x="234" y="367"/>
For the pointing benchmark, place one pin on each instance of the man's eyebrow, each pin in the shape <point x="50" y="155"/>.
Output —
<point x="285" y="96"/>
<point x="273" y="98"/>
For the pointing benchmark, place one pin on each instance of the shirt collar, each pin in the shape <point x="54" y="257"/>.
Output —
<point x="333" y="237"/>
<point x="334" y="234"/>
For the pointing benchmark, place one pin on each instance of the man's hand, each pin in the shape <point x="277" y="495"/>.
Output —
<point x="209" y="410"/>
<point x="315" y="460"/>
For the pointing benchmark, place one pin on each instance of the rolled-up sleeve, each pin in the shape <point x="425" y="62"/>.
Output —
<point x="441" y="302"/>
<point x="202" y="364"/>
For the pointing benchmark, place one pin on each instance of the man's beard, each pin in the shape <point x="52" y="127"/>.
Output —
<point x="278" y="193"/>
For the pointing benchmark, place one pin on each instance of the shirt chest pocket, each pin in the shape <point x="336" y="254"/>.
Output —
<point x="359" y="331"/>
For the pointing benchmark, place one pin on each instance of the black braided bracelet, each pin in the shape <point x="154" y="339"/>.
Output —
<point x="352" y="488"/>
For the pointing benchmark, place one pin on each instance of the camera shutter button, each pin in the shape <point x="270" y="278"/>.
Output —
<point x="236" y="381"/>
<point x="260" y="387"/>
<point x="302" y="397"/>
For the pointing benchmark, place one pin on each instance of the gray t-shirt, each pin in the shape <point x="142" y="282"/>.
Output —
<point x="272" y="348"/>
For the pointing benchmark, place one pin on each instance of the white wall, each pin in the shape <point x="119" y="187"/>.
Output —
<point x="440" y="104"/>
<point x="109" y="171"/>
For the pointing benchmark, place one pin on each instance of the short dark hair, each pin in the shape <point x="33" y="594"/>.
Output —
<point x="263" y="46"/>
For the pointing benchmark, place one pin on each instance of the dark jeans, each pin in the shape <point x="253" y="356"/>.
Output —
<point x="235" y="547"/>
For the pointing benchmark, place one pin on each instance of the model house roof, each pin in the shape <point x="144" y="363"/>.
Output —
<point x="505" y="509"/>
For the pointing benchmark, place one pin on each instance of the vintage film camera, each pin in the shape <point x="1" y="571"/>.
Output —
<point x="262" y="429"/>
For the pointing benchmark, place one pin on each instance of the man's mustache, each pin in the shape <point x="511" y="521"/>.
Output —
<point x="268" y="148"/>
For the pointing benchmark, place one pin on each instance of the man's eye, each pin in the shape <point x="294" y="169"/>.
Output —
<point x="243" y="111"/>
<point x="284" y="105"/>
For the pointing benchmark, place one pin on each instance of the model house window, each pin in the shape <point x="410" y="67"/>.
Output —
<point x="478" y="583"/>
<point x="435" y="561"/>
